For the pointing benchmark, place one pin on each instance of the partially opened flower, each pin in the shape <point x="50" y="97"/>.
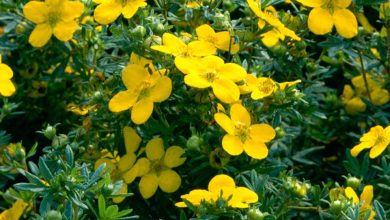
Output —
<point x="221" y="187"/>
<point x="242" y="135"/>
<point x="156" y="170"/>
<point x="109" y="10"/>
<point x="121" y="168"/>
<point x="221" y="40"/>
<point x="328" y="13"/>
<point x="365" y="198"/>
<point x="143" y="90"/>
<point x="52" y="17"/>
<point x="7" y="88"/>
<point x="211" y="71"/>
<point x="377" y="139"/>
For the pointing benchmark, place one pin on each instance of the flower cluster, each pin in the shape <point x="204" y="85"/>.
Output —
<point x="221" y="187"/>
<point x="369" y="88"/>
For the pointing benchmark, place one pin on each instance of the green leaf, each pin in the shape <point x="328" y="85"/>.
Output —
<point x="379" y="211"/>
<point x="44" y="169"/>
<point x="29" y="187"/>
<point x="32" y="151"/>
<point x="102" y="206"/>
<point x="69" y="155"/>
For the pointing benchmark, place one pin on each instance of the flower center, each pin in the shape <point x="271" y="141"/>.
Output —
<point x="241" y="131"/>
<point x="382" y="139"/>
<point x="54" y="18"/>
<point x="158" y="166"/>
<point x="266" y="86"/>
<point x="328" y="5"/>
<point x="211" y="76"/>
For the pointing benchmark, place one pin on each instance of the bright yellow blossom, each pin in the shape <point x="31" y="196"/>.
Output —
<point x="211" y="71"/>
<point x="269" y="16"/>
<point x="221" y="186"/>
<point x="242" y="135"/>
<point x="155" y="169"/>
<point x="182" y="52"/>
<point x="328" y="13"/>
<point x="7" y="88"/>
<point x="121" y="168"/>
<point x="143" y="89"/>
<point x="52" y="17"/>
<point x="221" y="40"/>
<point x="378" y="138"/>
<point x="15" y="212"/>
<point x="109" y="10"/>
<point x="366" y="198"/>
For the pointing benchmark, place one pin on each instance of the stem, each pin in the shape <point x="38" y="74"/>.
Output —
<point x="307" y="208"/>
<point x="76" y="211"/>
<point x="364" y="75"/>
<point x="388" y="45"/>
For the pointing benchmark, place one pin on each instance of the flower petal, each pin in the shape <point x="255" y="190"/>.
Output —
<point x="171" y="45"/>
<point x="320" y="21"/>
<point x="378" y="148"/>
<point x="122" y="190"/>
<point x="201" y="48"/>
<point x="72" y="10"/>
<point x="126" y="162"/>
<point x="225" y="122"/>
<point x="7" y="88"/>
<point x="130" y="175"/>
<point x="367" y="196"/>
<point x="196" y="81"/>
<point x="36" y="11"/>
<point x="148" y="185"/>
<point x="143" y="165"/>
<point x="232" y="72"/>
<point x="155" y="149"/>
<point x="342" y="3"/>
<point x="345" y="22"/>
<point x="107" y="12"/>
<point x="226" y="90"/>
<point x="311" y="3"/>
<point x="169" y="181"/>
<point x="162" y="90"/>
<point x="133" y="75"/>
<point x="132" y="7"/>
<point x="358" y="148"/>
<point x="142" y="110"/>
<point x="40" y="35"/>
<point x="205" y="32"/>
<point x="221" y="181"/>
<point x="64" y="30"/>
<point x="5" y="71"/>
<point x="132" y="139"/>
<point x="174" y="157"/>
<point x="122" y="101"/>
<point x="232" y="145"/>
<point x="238" y="113"/>
<point x="256" y="150"/>
<point x="262" y="133"/>
<point x="351" y="194"/>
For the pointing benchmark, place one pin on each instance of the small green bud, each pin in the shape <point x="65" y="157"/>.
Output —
<point x="50" y="132"/>
<point x="353" y="182"/>
<point x="53" y="215"/>
<point x="279" y="132"/>
<point x="194" y="142"/>
<point x="139" y="31"/>
<point x="60" y="141"/>
<point x="336" y="206"/>
<point x="255" y="214"/>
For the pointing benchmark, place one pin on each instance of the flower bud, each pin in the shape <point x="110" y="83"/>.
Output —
<point x="50" y="132"/>
<point x="255" y="214"/>
<point x="53" y="215"/>
<point x="353" y="182"/>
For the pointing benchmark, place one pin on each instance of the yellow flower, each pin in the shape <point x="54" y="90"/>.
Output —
<point x="15" y="212"/>
<point x="78" y="110"/>
<point x="7" y="88"/>
<point x="155" y="169"/>
<point x="52" y="17"/>
<point x="109" y="10"/>
<point x="242" y="135"/>
<point x="175" y="46"/>
<point x="326" y="13"/>
<point x="378" y="138"/>
<point x="221" y="186"/>
<point x="143" y="89"/>
<point x="366" y="198"/>
<point x="194" y="4"/>
<point x="121" y="168"/>
<point x="269" y="16"/>
<point x="221" y="40"/>
<point x="211" y="71"/>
